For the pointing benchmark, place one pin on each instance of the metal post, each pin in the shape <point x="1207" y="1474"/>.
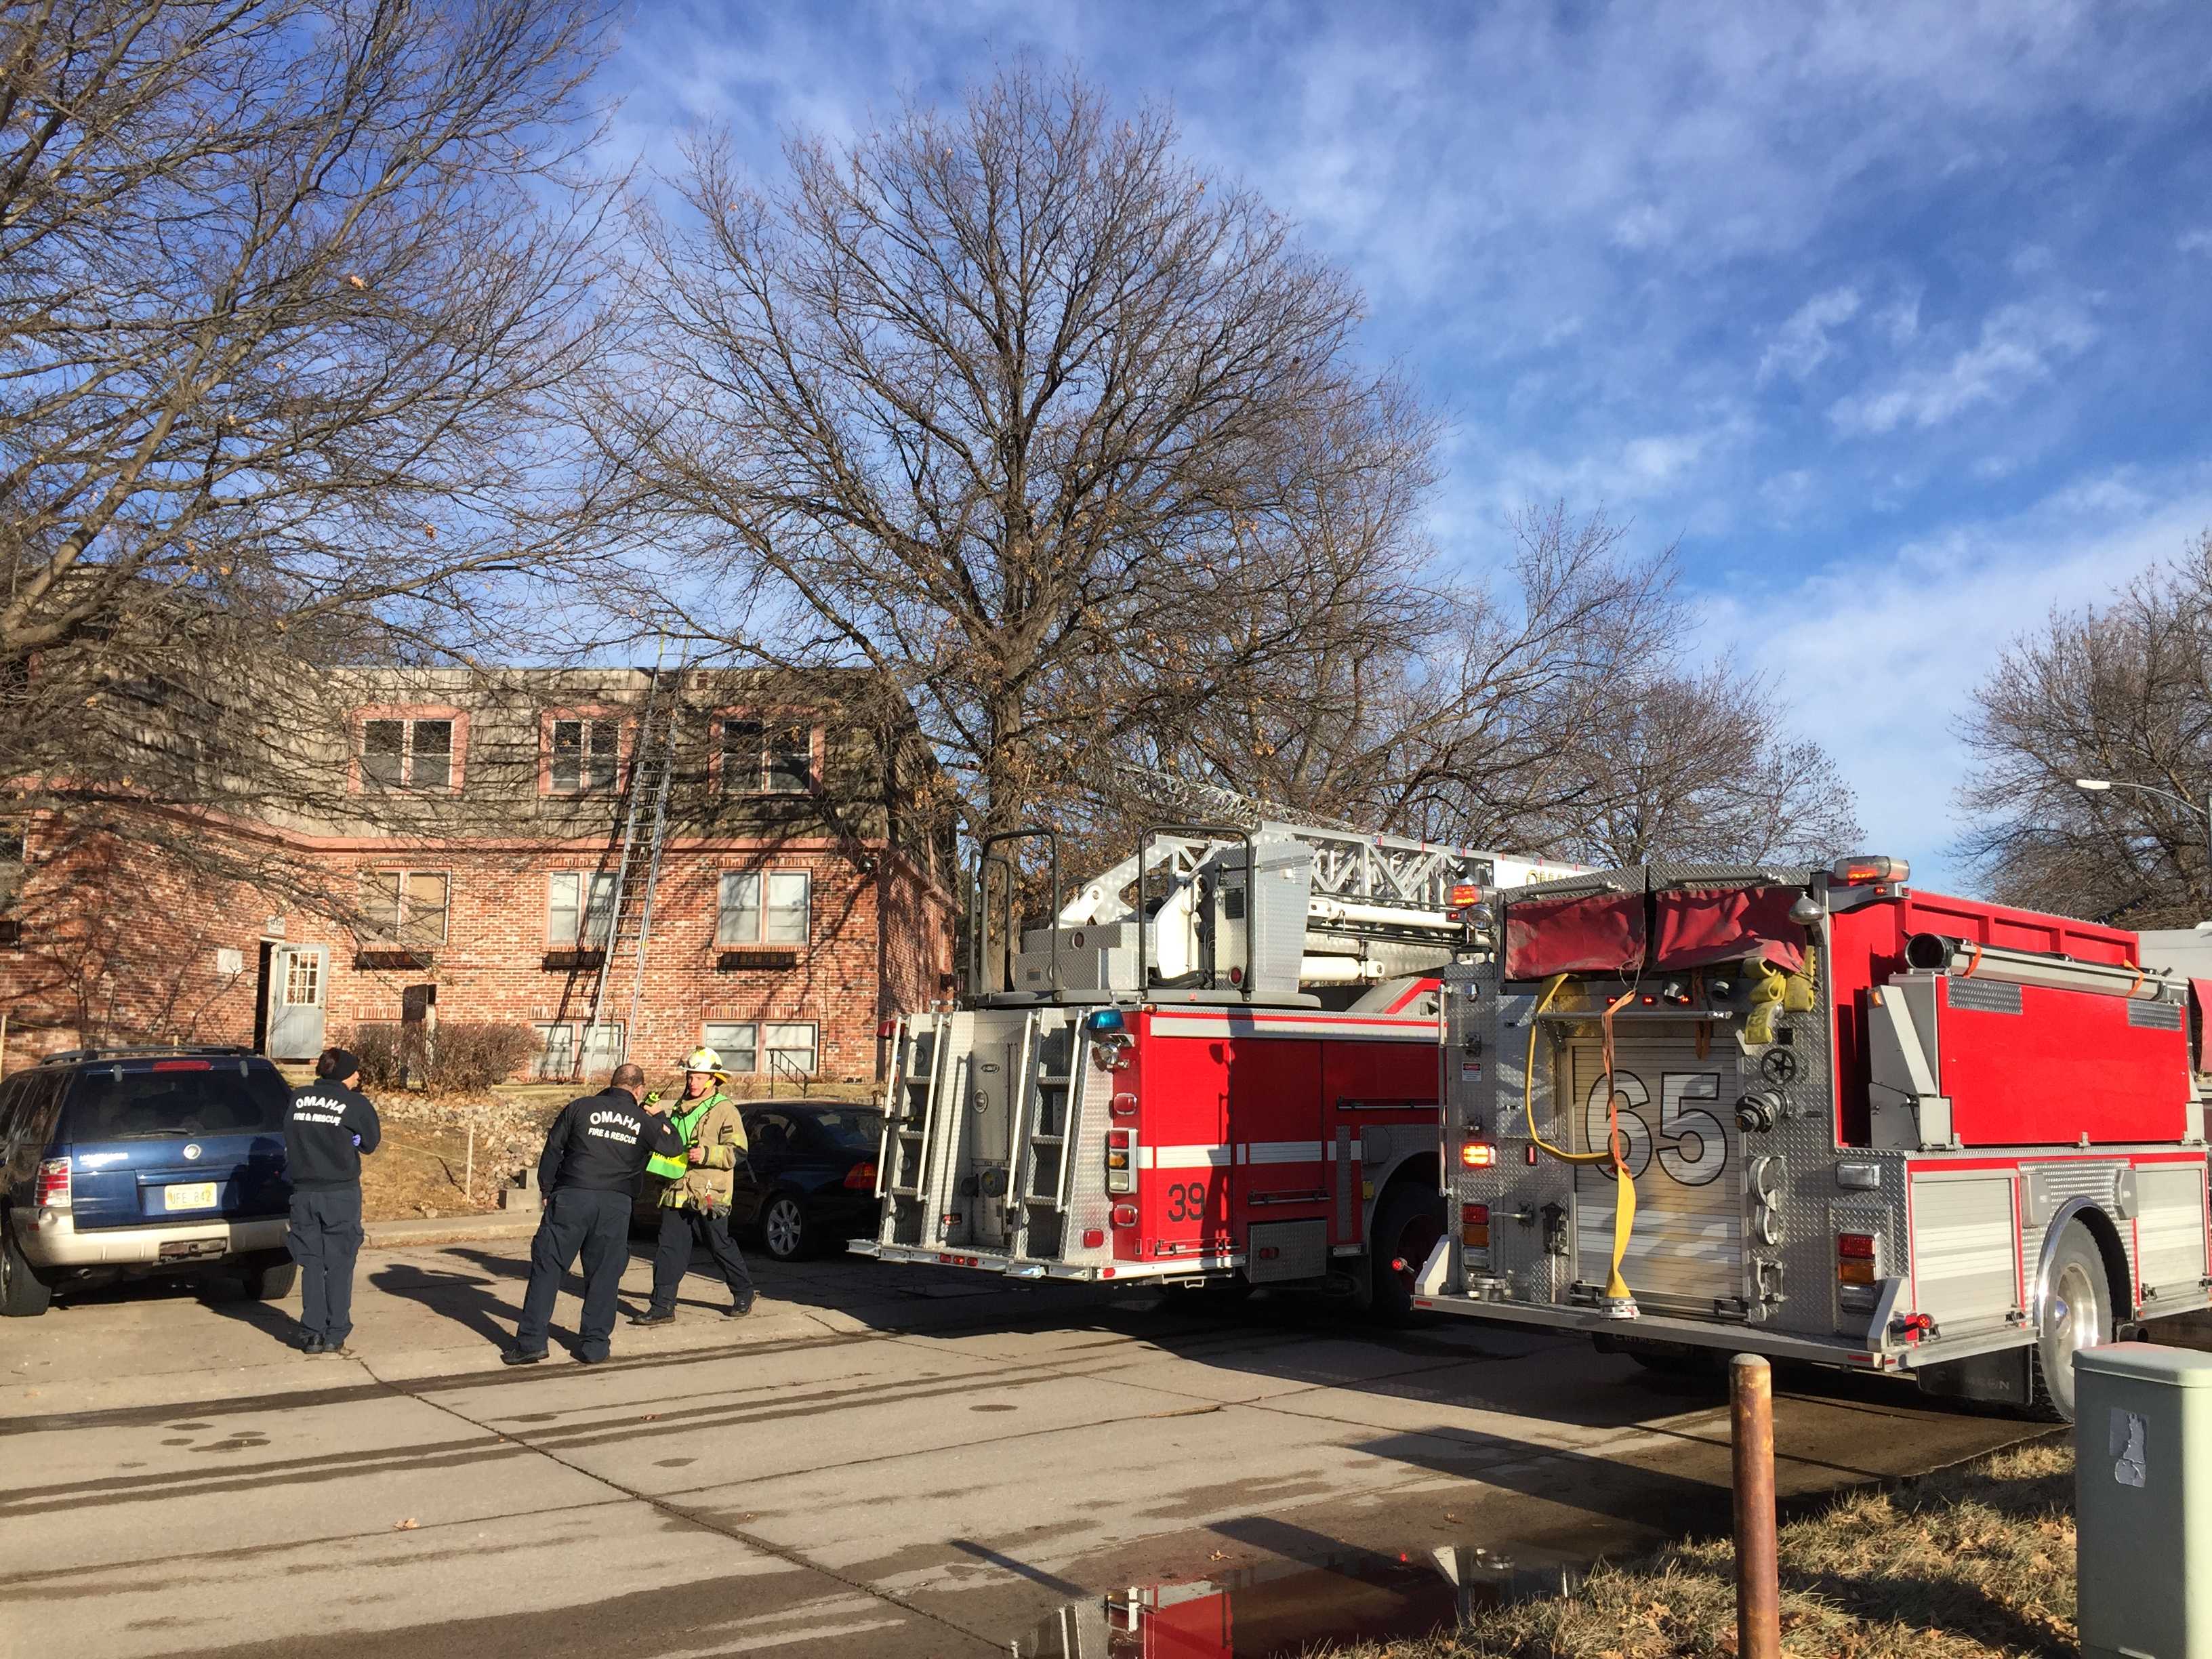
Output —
<point x="1751" y="1433"/>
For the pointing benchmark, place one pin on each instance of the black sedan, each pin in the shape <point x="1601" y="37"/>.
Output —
<point x="809" y="1179"/>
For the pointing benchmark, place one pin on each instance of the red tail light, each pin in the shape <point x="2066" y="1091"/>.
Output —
<point x="1857" y="1247"/>
<point x="53" y="1188"/>
<point x="861" y="1177"/>
<point x="1125" y="1215"/>
<point x="1093" y="1237"/>
<point x="1474" y="1226"/>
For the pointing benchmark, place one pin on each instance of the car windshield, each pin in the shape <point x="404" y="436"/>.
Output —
<point x="164" y="1105"/>
<point x="854" y="1131"/>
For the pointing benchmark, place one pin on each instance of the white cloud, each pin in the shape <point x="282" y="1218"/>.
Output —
<point x="2018" y="344"/>
<point x="1880" y="657"/>
<point x="2195" y="241"/>
<point x="1801" y="344"/>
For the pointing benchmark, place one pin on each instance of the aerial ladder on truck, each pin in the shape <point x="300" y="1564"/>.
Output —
<point x="1214" y="1060"/>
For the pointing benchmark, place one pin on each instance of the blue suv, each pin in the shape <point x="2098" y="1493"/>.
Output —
<point x="115" y="1161"/>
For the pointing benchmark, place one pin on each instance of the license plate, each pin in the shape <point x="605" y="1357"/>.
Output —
<point x="198" y="1195"/>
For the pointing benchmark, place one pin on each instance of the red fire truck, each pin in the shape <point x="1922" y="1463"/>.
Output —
<point x="1216" y="1065"/>
<point x="1819" y="1115"/>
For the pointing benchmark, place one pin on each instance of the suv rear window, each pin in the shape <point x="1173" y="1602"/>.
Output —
<point x="144" y="1104"/>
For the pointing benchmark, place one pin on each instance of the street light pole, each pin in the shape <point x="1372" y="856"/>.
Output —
<point x="2098" y="786"/>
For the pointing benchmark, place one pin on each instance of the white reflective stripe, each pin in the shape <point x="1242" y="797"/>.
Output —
<point x="1279" y="1152"/>
<point x="1184" y="1157"/>
<point x="1371" y="1027"/>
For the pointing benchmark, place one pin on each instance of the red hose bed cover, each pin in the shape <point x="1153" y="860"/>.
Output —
<point x="2200" y="990"/>
<point x="1699" y="926"/>
<point x="1599" y="933"/>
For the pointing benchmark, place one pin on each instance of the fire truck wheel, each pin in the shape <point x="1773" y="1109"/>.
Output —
<point x="1408" y="1222"/>
<point x="2077" y="1313"/>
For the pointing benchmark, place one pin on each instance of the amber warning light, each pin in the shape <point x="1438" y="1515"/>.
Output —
<point x="1478" y="1155"/>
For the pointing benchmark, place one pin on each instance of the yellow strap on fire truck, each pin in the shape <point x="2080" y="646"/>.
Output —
<point x="1624" y="1207"/>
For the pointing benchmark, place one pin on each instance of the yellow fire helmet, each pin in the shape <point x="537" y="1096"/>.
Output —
<point x="703" y="1059"/>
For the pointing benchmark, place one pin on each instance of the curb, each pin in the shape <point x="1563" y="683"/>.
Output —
<point x="443" y="1230"/>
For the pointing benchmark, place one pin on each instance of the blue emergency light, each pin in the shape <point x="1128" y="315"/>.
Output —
<point x="1103" y="1020"/>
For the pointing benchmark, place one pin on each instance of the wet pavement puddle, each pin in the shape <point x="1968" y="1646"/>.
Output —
<point x="1286" y="1609"/>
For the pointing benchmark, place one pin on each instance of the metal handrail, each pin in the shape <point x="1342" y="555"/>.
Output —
<point x="980" y="910"/>
<point x="1196" y="832"/>
<point x="778" y="1062"/>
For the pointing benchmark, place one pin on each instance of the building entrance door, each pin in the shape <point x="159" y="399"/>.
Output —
<point x="298" y="993"/>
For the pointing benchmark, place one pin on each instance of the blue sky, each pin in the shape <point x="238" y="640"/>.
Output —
<point x="1894" y="314"/>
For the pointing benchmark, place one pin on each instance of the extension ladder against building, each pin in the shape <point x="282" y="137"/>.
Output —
<point x="637" y="867"/>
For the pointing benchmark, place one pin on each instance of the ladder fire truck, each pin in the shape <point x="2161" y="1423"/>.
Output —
<point x="1819" y="1114"/>
<point x="1216" y="1064"/>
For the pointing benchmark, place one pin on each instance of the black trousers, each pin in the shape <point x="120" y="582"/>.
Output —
<point x="671" y="1256"/>
<point x="595" y="1225"/>
<point x="325" y="1239"/>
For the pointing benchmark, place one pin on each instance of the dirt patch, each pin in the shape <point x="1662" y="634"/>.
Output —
<point x="424" y="1168"/>
<point x="1971" y="1563"/>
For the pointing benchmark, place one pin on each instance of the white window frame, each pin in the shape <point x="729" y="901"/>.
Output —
<point x="587" y="753"/>
<point x="407" y="723"/>
<point x="726" y="1046"/>
<point x="600" y="885"/>
<point x="764" y="907"/>
<point x="748" y="772"/>
<point x="557" y="1048"/>
<point x="403" y="914"/>
<point x="770" y="1047"/>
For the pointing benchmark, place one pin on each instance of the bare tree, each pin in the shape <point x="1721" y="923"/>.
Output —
<point x="1693" y="767"/>
<point x="2121" y="693"/>
<point x="1060" y="434"/>
<point x="287" y="289"/>
<point x="1553" y="713"/>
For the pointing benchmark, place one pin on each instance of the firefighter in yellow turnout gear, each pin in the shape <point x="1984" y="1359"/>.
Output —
<point x="694" y="1208"/>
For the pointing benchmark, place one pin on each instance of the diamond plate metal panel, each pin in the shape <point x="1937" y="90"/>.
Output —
<point x="1988" y="996"/>
<point x="1301" y="1250"/>
<point x="1090" y="1208"/>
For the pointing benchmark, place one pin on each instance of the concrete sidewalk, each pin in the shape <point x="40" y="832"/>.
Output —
<point x="879" y="1461"/>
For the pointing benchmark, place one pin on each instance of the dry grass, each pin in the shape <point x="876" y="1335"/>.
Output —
<point x="417" y="1172"/>
<point x="1967" y="1563"/>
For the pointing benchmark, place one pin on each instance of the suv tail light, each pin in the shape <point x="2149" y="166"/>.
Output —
<point x="53" y="1188"/>
<point x="184" y="1065"/>
<point x="861" y="1178"/>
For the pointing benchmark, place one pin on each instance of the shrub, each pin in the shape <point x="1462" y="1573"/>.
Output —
<point x="475" y="1054"/>
<point x="467" y="1053"/>
<point x="376" y="1043"/>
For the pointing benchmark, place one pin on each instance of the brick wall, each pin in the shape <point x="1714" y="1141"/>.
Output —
<point x="120" y="946"/>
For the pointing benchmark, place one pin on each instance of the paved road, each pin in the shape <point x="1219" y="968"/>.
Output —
<point x="879" y="1461"/>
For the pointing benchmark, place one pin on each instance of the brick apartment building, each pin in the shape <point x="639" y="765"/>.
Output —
<point x="457" y="858"/>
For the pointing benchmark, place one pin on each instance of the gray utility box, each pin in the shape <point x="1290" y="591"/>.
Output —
<point x="2142" y="1446"/>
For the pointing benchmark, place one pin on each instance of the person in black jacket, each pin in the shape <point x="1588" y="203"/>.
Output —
<point x="594" y="1153"/>
<point x="330" y="1125"/>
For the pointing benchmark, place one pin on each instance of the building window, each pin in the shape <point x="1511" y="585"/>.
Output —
<point x="767" y="757"/>
<point x="737" y="1043"/>
<point x="556" y="1050"/>
<point x="407" y="754"/>
<point x="407" y="907"/>
<point x="584" y="756"/>
<point x="566" y="922"/>
<point x="742" y="919"/>
<point x="11" y="864"/>
<point x="790" y="1049"/>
